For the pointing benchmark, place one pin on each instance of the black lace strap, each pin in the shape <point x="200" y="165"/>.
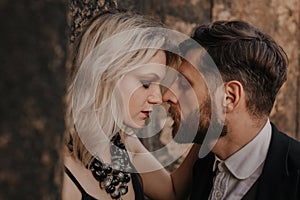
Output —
<point x="85" y="195"/>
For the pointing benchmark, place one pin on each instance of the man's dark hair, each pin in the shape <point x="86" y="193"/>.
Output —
<point x="243" y="53"/>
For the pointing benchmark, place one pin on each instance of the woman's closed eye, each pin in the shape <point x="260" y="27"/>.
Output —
<point x="146" y="84"/>
<point x="148" y="81"/>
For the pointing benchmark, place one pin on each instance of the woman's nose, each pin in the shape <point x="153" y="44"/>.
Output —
<point x="155" y="97"/>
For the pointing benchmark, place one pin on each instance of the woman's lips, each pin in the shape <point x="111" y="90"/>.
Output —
<point x="146" y="113"/>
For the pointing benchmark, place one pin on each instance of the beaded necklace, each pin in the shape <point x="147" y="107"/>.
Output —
<point x="115" y="177"/>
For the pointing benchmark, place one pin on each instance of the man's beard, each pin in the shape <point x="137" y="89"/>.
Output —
<point x="212" y="131"/>
<point x="191" y="130"/>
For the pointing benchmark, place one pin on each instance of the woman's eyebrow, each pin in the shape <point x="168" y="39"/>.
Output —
<point x="153" y="76"/>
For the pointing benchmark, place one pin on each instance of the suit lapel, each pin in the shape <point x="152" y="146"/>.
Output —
<point x="202" y="177"/>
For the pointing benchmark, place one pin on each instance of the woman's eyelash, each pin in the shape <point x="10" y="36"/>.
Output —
<point x="146" y="84"/>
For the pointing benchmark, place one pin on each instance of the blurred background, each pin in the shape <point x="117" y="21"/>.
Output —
<point x="34" y="61"/>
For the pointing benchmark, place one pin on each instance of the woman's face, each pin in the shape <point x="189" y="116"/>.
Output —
<point x="140" y="90"/>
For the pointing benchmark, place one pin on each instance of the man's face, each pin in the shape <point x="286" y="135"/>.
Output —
<point x="190" y="103"/>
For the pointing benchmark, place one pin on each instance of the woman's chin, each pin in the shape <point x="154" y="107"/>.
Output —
<point x="137" y="124"/>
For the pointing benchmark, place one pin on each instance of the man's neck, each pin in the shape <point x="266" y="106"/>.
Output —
<point x="239" y="133"/>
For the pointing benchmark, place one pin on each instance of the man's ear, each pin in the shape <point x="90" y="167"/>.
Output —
<point x="234" y="92"/>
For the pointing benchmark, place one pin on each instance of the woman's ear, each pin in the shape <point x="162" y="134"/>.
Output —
<point x="234" y="92"/>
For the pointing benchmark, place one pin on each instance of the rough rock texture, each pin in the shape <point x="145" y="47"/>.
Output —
<point x="181" y="15"/>
<point x="32" y="57"/>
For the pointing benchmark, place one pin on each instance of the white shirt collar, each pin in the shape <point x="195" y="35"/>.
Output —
<point x="244" y="162"/>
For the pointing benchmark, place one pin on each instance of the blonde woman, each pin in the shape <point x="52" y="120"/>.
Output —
<point x="118" y="66"/>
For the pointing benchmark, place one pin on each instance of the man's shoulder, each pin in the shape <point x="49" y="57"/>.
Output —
<point x="293" y="153"/>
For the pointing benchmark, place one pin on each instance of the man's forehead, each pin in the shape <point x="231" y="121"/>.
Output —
<point x="192" y="58"/>
<point x="187" y="67"/>
<point x="191" y="74"/>
<point x="195" y="55"/>
<point x="200" y="61"/>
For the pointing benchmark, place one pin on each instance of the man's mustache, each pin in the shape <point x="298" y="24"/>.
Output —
<point x="174" y="113"/>
<point x="183" y="131"/>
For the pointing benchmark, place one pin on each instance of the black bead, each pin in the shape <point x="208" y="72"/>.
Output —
<point x="110" y="189"/>
<point x="99" y="175"/>
<point x="106" y="182"/>
<point x="121" y="176"/>
<point x="116" y="194"/>
<point x="115" y="181"/>
<point x="108" y="170"/>
<point x="97" y="164"/>
<point x="123" y="189"/>
<point x="126" y="178"/>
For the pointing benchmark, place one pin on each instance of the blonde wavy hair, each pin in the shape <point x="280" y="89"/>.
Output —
<point x="113" y="44"/>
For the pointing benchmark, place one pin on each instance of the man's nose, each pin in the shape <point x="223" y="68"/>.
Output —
<point x="169" y="96"/>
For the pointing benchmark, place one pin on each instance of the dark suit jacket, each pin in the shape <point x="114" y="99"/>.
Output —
<point x="280" y="179"/>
